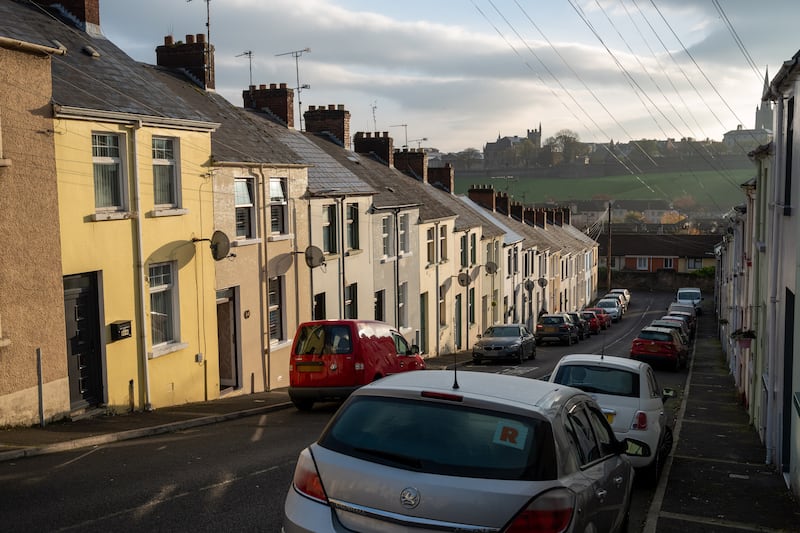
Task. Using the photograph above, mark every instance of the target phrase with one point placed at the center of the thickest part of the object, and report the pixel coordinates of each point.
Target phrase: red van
(332, 358)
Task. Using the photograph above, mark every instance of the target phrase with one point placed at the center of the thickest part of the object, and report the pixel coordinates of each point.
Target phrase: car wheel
(303, 405)
(521, 356)
(533, 352)
(476, 360)
(651, 472)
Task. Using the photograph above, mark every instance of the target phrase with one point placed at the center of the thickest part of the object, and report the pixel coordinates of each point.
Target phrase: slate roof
(110, 82)
(660, 245)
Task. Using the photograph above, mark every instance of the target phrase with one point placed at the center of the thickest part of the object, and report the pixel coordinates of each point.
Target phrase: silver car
(441, 451)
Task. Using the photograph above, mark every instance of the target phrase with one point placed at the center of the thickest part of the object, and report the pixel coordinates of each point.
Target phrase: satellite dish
(491, 267)
(528, 285)
(463, 279)
(314, 257)
(220, 245)
(542, 282)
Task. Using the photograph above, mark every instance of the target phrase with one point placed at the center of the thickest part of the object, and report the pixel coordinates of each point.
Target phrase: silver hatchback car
(439, 451)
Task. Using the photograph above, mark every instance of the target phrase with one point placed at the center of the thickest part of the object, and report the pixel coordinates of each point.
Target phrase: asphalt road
(231, 476)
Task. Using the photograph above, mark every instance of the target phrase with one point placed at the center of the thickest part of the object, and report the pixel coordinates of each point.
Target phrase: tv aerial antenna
(374, 106)
(208, 22)
(249, 54)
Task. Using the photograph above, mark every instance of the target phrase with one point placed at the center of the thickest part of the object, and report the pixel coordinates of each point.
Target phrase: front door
(226, 335)
(84, 364)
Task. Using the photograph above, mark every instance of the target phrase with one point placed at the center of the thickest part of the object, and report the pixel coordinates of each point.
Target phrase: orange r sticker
(510, 433)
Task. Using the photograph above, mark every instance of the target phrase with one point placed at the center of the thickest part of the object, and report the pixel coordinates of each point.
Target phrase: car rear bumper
(321, 394)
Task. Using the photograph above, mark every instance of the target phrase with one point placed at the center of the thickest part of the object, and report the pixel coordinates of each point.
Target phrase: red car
(332, 358)
(660, 346)
(603, 315)
(593, 320)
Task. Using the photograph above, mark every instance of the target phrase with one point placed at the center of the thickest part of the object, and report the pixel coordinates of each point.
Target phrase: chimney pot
(283, 85)
(190, 39)
(331, 107)
(274, 85)
(168, 40)
(201, 37)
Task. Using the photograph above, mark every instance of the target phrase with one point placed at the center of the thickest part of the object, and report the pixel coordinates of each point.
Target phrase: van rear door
(323, 356)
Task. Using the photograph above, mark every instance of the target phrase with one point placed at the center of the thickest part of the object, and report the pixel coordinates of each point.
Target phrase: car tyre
(521, 355)
(303, 405)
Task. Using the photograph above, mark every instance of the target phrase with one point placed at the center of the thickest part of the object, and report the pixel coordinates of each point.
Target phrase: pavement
(715, 480)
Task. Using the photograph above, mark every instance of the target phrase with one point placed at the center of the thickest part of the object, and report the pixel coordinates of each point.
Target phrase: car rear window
(599, 379)
(437, 438)
(552, 320)
(323, 338)
(655, 336)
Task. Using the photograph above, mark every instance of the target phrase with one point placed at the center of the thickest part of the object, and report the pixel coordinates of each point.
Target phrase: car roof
(496, 388)
(612, 300)
(602, 360)
(666, 323)
(656, 328)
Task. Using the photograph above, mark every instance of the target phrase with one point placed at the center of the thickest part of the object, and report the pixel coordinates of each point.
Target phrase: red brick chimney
(502, 203)
(380, 144)
(529, 216)
(541, 218)
(483, 196)
(516, 210)
(413, 162)
(566, 214)
(195, 57)
(334, 120)
(278, 99)
(85, 12)
(444, 177)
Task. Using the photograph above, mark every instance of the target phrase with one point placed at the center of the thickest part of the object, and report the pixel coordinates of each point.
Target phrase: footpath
(715, 480)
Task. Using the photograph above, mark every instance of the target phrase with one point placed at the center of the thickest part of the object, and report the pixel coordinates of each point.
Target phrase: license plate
(654, 348)
(309, 367)
(551, 329)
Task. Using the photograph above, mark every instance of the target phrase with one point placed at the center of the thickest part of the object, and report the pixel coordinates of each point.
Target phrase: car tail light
(539, 326)
(639, 421)
(306, 479)
(549, 513)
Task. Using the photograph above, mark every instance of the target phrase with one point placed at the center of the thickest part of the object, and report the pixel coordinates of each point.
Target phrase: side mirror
(414, 349)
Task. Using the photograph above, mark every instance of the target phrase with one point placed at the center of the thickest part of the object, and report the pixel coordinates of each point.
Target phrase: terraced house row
(161, 245)
(757, 283)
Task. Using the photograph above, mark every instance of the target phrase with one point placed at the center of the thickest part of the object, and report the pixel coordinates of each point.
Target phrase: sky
(456, 74)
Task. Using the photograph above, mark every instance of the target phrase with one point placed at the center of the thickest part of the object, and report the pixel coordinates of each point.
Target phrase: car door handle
(618, 481)
(601, 495)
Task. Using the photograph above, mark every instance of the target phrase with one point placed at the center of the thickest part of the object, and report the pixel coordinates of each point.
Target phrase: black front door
(83, 341)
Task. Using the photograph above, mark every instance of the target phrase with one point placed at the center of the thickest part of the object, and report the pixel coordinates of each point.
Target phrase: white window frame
(694, 263)
(278, 206)
(351, 301)
(669, 262)
(276, 307)
(442, 305)
(387, 241)
(442, 244)
(246, 205)
(464, 251)
(430, 245)
(161, 282)
(402, 308)
(172, 163)
(330, 233)
(120, 204)
(403, 229)
(642, 263)
(353, 236)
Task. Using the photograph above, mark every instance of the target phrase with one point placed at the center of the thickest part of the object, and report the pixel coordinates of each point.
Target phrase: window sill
(4, 162)
(245, 242)
(354, 251)
(165, 349)
(280, 237)
(386, 259)
(403, 255)
(111, 215)
(280, 344)
(4, 341)
(168, 212)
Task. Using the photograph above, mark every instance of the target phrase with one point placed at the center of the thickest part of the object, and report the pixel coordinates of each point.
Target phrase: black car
(505, 341)
(583, 325)
(556, 327)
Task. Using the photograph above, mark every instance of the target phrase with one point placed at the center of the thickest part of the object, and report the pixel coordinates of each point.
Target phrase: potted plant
(744, 337)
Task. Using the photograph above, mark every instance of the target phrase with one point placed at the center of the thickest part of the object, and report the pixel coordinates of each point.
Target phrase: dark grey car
(506, 341)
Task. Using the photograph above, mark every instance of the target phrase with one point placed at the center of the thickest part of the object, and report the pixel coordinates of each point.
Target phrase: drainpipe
(137, 221)
(263, 274)
(340, 201)
(396, 212)
(436, 262)
(772, 311)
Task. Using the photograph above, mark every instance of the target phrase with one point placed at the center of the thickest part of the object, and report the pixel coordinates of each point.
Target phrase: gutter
(24, 46)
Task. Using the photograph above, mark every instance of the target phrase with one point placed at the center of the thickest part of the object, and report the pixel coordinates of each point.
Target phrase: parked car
(507, 341)
(593, 320)
(620, 298)
(690, 318)
(556, 327)
(676, 323)
(611, 305)
(628, 393)
(692, 296)
(660, 346)
(582, 323)
(603, 315)
(473, 451)
(332, 358)
(624, 292)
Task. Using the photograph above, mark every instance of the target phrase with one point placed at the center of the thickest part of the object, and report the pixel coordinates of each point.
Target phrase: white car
(471, 451)
(624, 292)
(612, 307)
(628, 393)
(690, 296)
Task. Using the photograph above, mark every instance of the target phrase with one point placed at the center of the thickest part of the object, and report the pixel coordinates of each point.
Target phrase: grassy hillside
(707, 190)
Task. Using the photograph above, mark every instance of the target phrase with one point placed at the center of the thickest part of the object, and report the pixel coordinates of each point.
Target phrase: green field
(709, 190)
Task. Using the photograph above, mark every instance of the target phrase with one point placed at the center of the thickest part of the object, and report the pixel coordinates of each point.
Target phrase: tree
(469, 157)
(566, 142)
